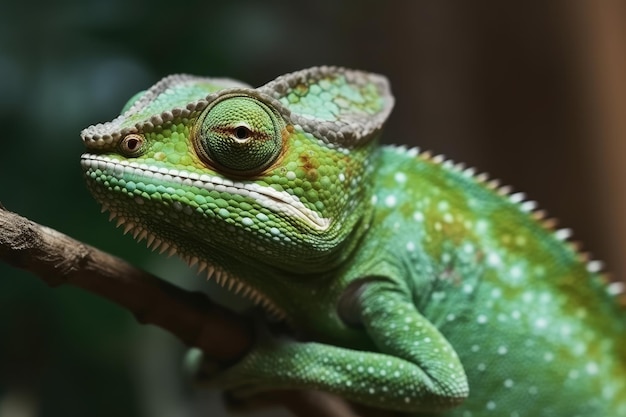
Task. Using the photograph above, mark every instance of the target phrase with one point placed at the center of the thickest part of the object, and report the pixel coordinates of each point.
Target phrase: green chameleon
(421, 286)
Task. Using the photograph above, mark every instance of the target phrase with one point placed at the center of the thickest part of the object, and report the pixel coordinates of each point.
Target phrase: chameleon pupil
(132, 144)
(242, 132)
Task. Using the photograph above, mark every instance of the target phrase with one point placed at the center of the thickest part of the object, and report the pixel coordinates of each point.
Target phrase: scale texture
(421, 286)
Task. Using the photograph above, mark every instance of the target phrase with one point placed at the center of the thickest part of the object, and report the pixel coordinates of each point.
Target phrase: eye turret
(240, 135)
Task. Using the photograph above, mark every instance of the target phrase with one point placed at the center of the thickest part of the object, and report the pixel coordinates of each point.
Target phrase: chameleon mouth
(268, 197)
(225, 279)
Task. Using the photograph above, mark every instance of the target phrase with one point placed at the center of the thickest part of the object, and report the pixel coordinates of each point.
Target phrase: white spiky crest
(616, 289)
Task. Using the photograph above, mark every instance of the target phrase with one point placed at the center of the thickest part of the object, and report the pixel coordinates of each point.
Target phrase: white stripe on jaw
(268, 197)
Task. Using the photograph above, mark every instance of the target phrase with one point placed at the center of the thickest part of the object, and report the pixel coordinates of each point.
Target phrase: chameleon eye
(239, 134)
(132, 144)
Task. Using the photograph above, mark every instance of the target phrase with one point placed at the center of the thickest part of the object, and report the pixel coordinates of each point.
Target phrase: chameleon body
(421, 286)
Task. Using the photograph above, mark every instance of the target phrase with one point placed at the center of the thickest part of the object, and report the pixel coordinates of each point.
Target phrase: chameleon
(421, 286)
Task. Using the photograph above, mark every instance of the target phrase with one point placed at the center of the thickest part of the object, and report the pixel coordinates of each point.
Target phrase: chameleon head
(225, 173)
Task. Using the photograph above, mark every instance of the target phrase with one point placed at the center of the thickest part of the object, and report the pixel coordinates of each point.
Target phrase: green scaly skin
(423, 287)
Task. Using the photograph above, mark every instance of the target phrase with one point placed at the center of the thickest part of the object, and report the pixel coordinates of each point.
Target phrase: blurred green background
(528, 92)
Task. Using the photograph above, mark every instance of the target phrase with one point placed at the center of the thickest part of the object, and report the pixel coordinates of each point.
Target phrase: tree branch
(58, 259)
(223, 335)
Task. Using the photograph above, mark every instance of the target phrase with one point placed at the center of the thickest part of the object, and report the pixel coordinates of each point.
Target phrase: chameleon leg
(418, 370)
(399, 330)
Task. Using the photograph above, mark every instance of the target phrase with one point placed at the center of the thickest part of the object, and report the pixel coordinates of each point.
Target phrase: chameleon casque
(422, 287)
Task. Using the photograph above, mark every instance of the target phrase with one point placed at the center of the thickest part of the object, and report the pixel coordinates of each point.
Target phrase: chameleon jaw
(272, 200)
(215, 272)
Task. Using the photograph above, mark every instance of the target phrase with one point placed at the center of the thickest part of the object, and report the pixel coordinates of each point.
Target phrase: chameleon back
(535, 326)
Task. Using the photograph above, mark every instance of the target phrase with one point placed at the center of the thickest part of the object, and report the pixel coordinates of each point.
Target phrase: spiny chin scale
(220, 276)
(616, 289)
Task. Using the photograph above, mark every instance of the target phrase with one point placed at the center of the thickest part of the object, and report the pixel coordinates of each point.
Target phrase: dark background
(531, 92)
